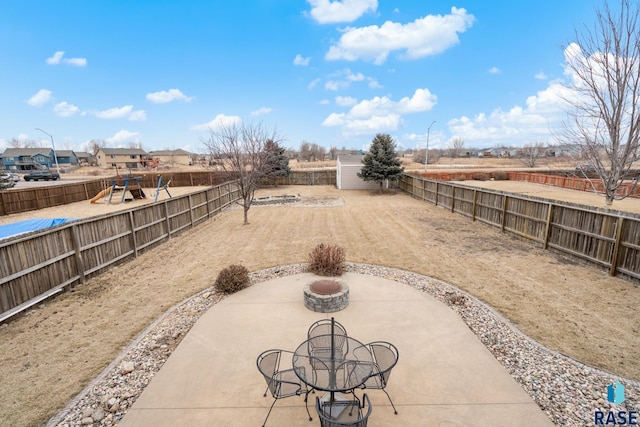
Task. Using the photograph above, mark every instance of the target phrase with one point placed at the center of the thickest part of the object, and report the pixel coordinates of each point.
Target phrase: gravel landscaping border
(567, 391)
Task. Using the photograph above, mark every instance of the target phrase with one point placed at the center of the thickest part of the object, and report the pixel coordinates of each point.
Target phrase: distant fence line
(607, 238)
(573, 183)
(34, 198)
(556, 178)
(40, 264)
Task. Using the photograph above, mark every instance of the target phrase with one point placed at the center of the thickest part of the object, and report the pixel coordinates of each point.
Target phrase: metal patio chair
(319, 336)
(281, 383)
(385, 358)
(342, 412)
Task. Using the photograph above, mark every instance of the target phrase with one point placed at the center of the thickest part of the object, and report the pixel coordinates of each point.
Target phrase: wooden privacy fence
(607, 238)
(33, 198)
(40, 264)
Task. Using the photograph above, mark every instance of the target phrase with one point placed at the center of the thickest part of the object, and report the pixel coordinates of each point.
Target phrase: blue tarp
(30, 225)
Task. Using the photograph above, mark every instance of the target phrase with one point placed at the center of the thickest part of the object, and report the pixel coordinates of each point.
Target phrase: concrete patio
(444, 376)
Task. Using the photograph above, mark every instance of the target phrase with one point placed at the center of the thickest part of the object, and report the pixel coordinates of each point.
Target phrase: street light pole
(426, 153)
(55, 157)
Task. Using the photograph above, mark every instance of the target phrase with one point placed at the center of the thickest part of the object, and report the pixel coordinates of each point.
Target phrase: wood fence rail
(610, 239)
(40, 264)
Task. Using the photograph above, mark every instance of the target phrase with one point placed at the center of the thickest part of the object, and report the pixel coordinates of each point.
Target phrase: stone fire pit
(326, 295)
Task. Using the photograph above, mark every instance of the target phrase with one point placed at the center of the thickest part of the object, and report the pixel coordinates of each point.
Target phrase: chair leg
(269, 413)
(306, 396)
(392, 405)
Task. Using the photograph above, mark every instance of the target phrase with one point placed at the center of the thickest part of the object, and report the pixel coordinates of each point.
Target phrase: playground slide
(101, 194)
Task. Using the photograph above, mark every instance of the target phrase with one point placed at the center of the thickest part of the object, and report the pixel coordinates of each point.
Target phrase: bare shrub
(327, 260)
(232, 279)
(480, 176)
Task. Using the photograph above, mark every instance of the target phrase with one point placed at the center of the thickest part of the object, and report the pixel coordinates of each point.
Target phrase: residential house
(66, 157)
(85, 158)
(173, 158)
(125, 158)
(22, 159)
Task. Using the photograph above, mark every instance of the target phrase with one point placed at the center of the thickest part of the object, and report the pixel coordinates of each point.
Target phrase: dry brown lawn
(51, 354)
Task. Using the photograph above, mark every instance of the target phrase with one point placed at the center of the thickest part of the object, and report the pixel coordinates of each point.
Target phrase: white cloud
(57, 58)
(40, 98)
(540, 76)
(261, 111)
(121, 113)
(123, 137)
(380, 114)
(165, 96)
(78, 62)
(138, 116)
(327, 11)
(345, 78)
(300, 61)
(535, 122)
(218, 122)
(345, 101)
(426, 36)
(494, 70)
(313, 83)
(325, 102)
(64, 109)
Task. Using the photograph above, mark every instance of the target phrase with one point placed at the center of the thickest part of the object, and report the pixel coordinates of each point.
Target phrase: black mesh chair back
(385, 357)
(319, 335)
(281, 380)
(342, 412)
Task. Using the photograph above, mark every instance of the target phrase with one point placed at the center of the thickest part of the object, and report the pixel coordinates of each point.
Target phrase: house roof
(178, 152)
(64, 153)
(17, 152)
(122, 151)
(350, 159)
(83, 154)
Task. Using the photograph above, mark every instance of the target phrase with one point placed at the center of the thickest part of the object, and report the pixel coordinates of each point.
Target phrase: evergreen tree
(275, 163)
(381, 162)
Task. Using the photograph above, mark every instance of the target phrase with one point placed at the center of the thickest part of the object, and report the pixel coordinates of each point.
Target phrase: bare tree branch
(604, 120)
(239, 149)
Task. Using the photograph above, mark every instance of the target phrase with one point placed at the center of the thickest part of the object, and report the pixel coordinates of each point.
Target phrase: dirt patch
(50, 354)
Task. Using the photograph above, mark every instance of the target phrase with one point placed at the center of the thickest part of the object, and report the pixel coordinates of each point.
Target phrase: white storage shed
(347, 168)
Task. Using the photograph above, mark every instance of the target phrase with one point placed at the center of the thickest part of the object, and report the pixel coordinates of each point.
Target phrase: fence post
(190, 210)
(547, 229)
(505, 204)
(77, 253)
(616, 247)
(134, 241)
(453, 198)
(437, 184)
(475, 202)
(166, 215)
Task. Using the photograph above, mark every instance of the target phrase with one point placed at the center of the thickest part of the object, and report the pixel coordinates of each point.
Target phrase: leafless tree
(96, 145)
(22, 143)
(239, 150)
(604, 95)
(455, 146)
(531, 152)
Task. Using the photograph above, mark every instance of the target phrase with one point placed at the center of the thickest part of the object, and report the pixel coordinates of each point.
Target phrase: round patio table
(333, 363)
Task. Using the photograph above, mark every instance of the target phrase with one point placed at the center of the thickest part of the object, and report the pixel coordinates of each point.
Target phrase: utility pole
(426, 154)
(55, 157)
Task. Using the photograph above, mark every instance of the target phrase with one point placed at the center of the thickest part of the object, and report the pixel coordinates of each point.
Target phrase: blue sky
(161, 73)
